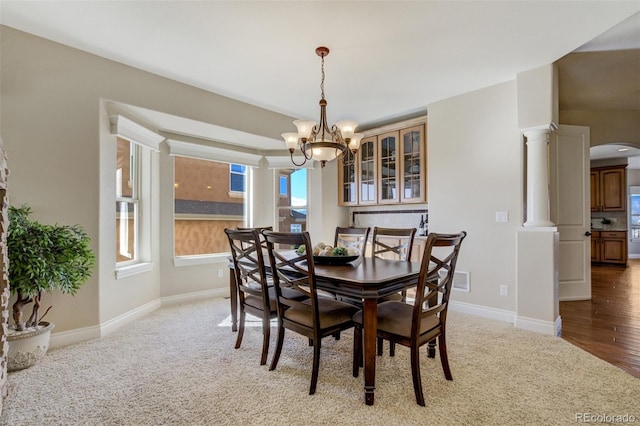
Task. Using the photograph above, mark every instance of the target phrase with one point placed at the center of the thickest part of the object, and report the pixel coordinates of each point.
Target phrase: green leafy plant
(44, 258)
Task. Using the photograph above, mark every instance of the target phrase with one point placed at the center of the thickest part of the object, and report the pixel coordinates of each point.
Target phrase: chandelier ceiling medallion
(318, 141)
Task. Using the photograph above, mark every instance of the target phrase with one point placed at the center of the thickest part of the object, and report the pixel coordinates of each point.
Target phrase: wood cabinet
(389, 168)
(609, 247)
(609, 189)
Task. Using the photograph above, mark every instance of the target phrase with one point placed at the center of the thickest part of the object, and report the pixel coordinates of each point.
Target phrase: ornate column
(538, 176)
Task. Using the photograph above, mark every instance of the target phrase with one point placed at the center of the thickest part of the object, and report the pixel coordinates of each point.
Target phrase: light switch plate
(502, 216)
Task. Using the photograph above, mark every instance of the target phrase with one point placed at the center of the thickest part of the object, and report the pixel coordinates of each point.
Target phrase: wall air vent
(460, 280)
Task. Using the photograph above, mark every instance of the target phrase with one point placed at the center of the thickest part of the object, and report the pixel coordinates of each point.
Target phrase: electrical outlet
(220, 273)
(504, 290)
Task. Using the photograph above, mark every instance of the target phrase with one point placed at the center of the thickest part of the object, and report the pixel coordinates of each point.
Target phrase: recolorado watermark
(604, 418)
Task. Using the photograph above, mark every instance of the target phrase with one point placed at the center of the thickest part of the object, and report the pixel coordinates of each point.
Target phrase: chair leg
(415, 372)
(316, 367)
(392, 348)
(240, 328)
(266, 333)
(380, 345)
(444, 359)
(357, 350)
(276, 355)
(336, 335)
(431, 348)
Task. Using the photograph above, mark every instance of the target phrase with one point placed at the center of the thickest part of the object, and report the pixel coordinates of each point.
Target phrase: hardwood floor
(608, 325)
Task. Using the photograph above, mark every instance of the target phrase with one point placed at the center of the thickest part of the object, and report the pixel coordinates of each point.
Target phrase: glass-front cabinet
(368, 176)
(413, 164)
(347, 176)
(390, 166)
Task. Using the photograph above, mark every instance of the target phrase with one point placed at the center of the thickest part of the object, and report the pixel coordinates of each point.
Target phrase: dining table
(365, 279)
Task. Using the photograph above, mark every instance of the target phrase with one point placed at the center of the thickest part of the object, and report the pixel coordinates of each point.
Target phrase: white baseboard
(193, 297)
(78, 335)
(634, 256)
(553, 328)
(114, 324)
(483, 311)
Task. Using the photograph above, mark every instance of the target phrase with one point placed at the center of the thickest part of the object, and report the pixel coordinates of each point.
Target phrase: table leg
(370, 327)
(233, 293)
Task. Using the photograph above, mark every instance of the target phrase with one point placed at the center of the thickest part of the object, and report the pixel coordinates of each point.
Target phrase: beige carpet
(177, 366)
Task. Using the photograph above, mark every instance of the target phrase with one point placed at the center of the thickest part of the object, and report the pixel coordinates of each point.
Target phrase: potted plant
(42, 258)
(606, 223)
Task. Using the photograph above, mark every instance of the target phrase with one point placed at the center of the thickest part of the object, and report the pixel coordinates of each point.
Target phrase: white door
(571, 209)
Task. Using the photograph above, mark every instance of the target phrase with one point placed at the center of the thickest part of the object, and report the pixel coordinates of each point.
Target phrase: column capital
(544, 129)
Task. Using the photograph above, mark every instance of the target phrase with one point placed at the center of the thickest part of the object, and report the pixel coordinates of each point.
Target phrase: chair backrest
(393, 243)
(352, 237)
(248, 262)
(292, 270)
(436, 277)
(259, 229)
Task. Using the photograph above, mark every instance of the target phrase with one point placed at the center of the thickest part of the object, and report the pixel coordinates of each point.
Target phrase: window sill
(204, 259)
(127, 271)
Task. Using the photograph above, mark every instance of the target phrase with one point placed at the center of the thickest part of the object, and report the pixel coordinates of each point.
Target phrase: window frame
(222, 155)
(134, 199)
(236, 192)
(282, 211)
(633, 191)
(204, 258)
(146, 143)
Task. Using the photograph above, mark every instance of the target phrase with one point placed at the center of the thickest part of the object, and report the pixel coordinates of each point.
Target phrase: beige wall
(475, 169)
(606, 126)
(52, 106)
(62, 161)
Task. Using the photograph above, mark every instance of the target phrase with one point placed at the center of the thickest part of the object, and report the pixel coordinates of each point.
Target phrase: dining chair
(259, 229)
(315, 317)
(414, 325)
(255, 295)
(352, 237)
(393, 243)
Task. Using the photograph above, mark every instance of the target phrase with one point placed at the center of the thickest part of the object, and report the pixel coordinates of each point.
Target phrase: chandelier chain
(322, 81)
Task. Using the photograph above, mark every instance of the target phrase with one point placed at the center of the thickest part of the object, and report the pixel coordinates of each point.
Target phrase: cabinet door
(595, 246)
(388, 167)
(413, 164)
(595, 190)
(613, 190)
(347, 181)
(614, 250)
(367, 174)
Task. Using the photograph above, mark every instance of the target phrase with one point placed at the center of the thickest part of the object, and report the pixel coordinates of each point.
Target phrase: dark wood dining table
(365, 279)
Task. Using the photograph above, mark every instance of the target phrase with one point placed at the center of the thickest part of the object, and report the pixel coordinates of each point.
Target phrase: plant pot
(26, 348)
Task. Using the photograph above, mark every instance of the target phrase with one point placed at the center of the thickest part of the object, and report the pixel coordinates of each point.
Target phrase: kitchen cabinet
(348, 191)
(389, 168)
(609, 189)
(367, 176)
(609, 247)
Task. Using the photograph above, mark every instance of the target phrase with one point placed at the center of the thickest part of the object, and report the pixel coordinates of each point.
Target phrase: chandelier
(318, 141)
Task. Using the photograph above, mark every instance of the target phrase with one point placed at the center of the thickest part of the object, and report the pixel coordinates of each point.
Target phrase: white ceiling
(388, 59)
